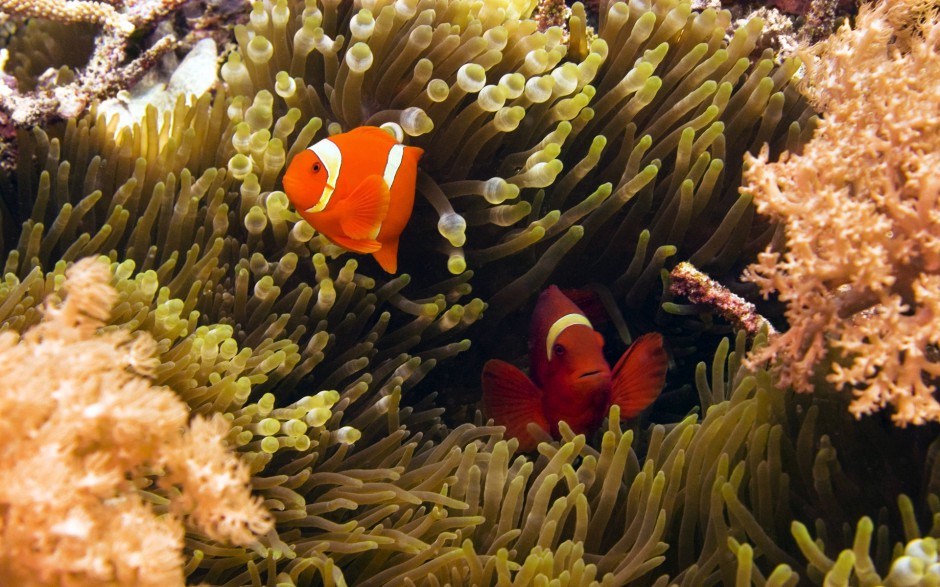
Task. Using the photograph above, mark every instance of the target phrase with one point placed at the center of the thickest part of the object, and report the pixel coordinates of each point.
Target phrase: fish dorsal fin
(590, 302)
(512, 400)
(412, 154)
(639, 375)
(373, 132)
(362, 212)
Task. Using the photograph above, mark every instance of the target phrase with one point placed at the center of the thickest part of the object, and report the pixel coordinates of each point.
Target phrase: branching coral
(106, 71)
(860, 269)
(101, 13)
(84, 427)
(66, 54)
(686, 280)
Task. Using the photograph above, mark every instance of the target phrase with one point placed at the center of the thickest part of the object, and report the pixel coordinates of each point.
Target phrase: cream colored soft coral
(82, 426)
(860, 271)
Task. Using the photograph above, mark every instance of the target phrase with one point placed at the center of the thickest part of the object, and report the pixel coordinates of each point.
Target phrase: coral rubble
(105, 72)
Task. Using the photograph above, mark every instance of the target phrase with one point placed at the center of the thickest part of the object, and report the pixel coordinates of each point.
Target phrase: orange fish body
(570, 378)
(358, 189)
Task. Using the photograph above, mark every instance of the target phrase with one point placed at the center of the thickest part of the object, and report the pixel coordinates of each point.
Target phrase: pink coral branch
(689, 282)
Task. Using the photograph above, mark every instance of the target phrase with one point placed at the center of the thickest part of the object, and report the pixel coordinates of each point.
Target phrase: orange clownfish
(570, 379)
(357, 188)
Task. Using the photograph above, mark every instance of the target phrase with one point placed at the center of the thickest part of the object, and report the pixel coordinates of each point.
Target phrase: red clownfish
(571, 380)
(357, 189)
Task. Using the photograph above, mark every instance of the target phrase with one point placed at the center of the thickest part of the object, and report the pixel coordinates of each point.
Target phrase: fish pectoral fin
(356, 245)
(362, 212)
(638, 377)
(512, 400)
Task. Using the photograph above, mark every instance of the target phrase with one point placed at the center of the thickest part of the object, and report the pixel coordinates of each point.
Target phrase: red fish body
(357, 188)
(570, 378)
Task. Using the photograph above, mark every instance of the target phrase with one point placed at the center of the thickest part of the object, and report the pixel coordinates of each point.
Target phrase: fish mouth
(589, 374)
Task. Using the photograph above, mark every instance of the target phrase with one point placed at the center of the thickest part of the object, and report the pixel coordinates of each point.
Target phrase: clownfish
(570, 379)
(356, 188)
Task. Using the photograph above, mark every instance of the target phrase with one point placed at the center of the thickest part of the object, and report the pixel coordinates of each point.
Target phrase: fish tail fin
(638, 377)
(362, 212)
(387, 256)
(512, 400)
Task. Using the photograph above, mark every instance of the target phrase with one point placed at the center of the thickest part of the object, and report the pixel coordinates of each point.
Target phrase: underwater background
(598, 149)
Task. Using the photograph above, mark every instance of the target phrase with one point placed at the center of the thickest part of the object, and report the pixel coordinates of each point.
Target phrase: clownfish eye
(559, 350)
(316, 168)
